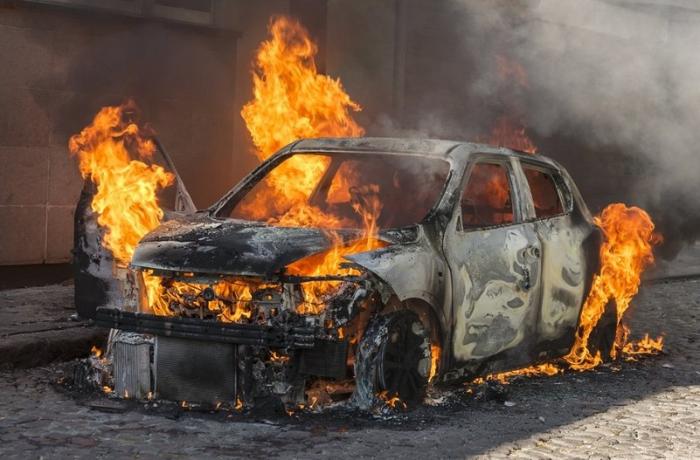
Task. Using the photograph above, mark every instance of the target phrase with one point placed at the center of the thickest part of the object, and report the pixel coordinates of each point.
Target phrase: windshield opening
(344, 191)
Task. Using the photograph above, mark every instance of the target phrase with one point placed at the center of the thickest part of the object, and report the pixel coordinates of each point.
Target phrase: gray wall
(58, 66)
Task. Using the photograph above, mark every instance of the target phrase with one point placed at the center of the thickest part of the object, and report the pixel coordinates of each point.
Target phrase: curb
(34, 349)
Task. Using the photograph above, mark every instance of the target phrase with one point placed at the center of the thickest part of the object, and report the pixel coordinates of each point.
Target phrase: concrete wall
(255, 16)
(361, 42)
(58, 66)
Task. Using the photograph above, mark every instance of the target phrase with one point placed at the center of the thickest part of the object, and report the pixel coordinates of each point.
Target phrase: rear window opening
(543, 189)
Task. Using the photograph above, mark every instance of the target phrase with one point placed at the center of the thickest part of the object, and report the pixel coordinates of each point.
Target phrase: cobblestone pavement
(649, 408)
(35, 327)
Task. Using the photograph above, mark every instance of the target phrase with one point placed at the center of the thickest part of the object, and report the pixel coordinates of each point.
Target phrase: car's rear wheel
(393, 360)
(602, 336)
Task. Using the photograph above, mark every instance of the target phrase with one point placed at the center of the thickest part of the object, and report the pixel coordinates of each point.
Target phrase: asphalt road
(649, 408)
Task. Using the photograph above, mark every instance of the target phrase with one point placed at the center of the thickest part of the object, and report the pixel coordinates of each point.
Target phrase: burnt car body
(474, 286)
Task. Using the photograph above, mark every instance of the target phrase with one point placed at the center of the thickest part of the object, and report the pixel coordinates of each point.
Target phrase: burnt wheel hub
(401, 371)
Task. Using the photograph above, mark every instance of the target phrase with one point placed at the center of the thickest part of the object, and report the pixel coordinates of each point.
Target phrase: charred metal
(470, 288)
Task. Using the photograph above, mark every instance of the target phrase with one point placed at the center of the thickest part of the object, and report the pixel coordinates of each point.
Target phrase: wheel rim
(400, 357)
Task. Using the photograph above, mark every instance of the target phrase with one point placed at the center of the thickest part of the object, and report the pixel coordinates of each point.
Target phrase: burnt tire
(602, 336)
(393, 359)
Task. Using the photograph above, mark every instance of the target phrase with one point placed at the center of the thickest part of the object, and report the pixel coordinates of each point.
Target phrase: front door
(494, 262)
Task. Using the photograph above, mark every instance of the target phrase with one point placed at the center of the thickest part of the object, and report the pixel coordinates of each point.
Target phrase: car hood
(202, 244)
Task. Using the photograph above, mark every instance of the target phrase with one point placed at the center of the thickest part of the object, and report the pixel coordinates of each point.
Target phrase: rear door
(563, 257)
(494, 263)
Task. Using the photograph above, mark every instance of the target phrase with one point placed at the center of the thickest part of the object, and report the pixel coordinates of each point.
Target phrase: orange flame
(278, 358)
(231, 303)
(434, 361)
(95, 351)
(547, 369)
(291, 100)
(625, 253)
(644, 346)
(391, 401)
(511, 70)
(125, 201)
(511, 134)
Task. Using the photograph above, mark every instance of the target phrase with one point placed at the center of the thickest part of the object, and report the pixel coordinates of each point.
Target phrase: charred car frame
(489, 277)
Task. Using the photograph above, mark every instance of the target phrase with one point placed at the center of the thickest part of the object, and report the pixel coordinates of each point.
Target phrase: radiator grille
(195, 371)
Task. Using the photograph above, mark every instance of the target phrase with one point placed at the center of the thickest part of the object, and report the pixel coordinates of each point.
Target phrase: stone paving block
(35, 328)
(626, 420)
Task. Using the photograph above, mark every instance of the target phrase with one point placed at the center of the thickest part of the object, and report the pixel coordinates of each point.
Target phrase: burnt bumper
(209, 331)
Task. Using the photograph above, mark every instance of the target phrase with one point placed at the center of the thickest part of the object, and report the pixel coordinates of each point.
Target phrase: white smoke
(626, 73)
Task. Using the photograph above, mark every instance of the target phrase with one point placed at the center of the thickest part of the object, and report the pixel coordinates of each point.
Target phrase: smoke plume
(621, 73)
(620, 80)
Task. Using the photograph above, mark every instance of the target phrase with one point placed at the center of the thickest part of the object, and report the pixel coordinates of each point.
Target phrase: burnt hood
(202, 244)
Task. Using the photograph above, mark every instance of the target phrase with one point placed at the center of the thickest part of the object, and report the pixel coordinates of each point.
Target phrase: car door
(563, 255)
(494, 263)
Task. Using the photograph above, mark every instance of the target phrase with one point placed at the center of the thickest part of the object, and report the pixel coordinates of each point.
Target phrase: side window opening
(487, 198)
(544, 192)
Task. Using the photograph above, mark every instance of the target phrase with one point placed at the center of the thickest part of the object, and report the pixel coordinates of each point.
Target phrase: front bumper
(209, 331)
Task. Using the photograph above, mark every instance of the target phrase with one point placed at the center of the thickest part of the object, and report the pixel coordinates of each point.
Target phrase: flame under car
(392, 264)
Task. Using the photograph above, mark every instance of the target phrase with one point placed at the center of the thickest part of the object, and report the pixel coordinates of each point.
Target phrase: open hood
(199, 243)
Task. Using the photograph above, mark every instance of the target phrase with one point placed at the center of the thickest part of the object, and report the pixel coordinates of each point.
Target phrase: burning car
(385, 265)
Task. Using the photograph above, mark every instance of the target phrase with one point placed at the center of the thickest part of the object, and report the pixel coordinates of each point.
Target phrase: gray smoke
(617, 76)
(624, 73)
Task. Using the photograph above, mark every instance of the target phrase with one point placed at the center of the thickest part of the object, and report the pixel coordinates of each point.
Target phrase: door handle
(524, 283)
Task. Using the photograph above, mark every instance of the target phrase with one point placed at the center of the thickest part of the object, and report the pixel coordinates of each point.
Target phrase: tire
(602, 336)
(393, 359)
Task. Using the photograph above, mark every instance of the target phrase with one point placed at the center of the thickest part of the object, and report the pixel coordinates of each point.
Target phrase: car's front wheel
(393, 360)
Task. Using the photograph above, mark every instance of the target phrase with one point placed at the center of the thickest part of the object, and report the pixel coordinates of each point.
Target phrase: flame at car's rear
(625, 253)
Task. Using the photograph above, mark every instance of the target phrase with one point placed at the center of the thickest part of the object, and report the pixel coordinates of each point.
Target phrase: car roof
(404, 145)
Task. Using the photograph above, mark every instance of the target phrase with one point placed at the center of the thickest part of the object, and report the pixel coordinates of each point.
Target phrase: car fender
(411, 271)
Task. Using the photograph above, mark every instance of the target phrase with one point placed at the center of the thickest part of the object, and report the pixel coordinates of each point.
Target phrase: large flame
(125, 202)
(625, 253)
(291, 101)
